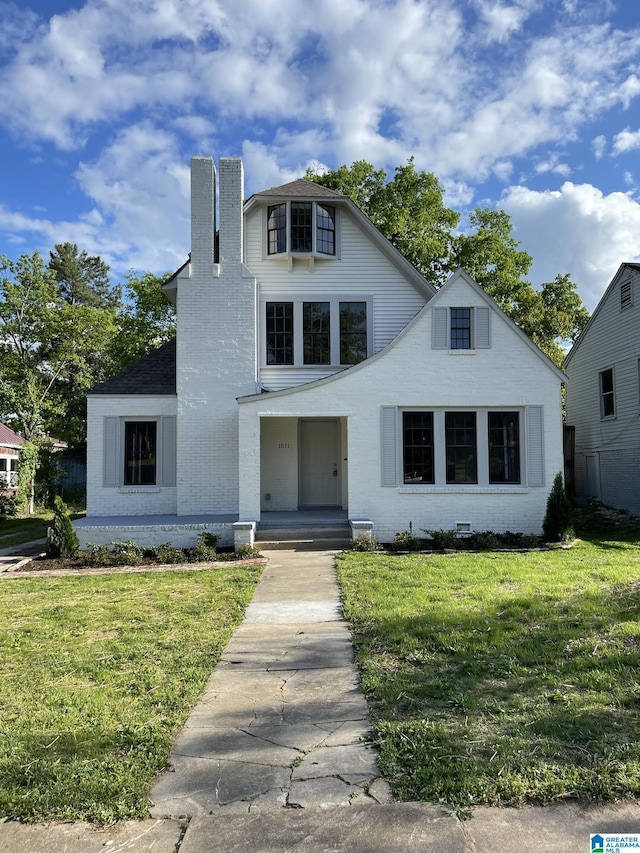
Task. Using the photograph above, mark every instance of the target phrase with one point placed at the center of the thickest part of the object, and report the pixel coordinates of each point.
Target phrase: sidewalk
(272, 757)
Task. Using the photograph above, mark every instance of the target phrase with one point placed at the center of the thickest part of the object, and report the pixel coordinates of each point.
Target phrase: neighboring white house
(603, 397)
(314, 367)
(10, 444)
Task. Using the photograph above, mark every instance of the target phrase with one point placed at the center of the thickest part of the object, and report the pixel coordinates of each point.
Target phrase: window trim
(605, 395)
(298, 303)
(480, 328)
(392, 445)
(128, 468)
(114, 452)
(318, 231)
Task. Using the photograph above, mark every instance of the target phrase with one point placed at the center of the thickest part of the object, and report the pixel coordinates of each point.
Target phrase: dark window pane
(140, 453)
(417, 447)
(279, 332)
(326, 229)
(606, 393)
(277, 229)
(353, 332)
(461, 455)
(301, 226)
(461, 328)
(316, 333)
(504, 447)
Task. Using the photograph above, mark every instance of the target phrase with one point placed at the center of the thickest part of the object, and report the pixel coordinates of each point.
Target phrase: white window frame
(298, 340)
(601, 393)
(289, 253)
(480, 328)
(114, 452)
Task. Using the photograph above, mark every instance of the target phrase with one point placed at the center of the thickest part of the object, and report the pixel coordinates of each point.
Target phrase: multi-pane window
(140, 441)
(461, 449)
(607, 401)
(277, 229)
(316, 333)
(353, 332)
(301, 226)
(326, 229)
(417, 447)
(279, 332)
(504, 447)
(460, 328)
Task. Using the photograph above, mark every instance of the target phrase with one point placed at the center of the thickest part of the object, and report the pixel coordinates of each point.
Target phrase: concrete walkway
(282, 721)
(273, 760)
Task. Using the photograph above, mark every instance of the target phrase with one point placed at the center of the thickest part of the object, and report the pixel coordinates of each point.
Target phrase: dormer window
(301, 227)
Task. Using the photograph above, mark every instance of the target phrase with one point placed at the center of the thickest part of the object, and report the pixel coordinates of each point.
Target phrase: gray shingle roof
(153, 374)
(301, 189)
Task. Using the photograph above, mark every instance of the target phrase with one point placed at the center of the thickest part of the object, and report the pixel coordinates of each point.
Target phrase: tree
(145, 321)
(52, 351)
(409, 210)
(83, 279)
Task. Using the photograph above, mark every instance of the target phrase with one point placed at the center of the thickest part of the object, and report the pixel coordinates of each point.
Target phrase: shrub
(205, 548)
(97, 555)
(445, 539)
(365, 543)
(8, 503)
(126, 553)
(247, 552)
(557, 520)
(166, 553)
(62, 540)
(405, 540)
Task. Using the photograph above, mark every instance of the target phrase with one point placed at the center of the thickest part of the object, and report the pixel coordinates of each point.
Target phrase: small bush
(166, 553)
(247, 552)
(365, 543)
(8, 503)
(405, 540)
(97, 555)
(127, 553)
(445, 539)
(204, 550)
(557, 521)
(62, 540)
(486, 541)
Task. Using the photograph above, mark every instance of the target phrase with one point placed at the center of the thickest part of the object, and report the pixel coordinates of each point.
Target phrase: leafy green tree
(145, 321)
(409, 210)
(28, 310)
(51, 352)
(83, 279)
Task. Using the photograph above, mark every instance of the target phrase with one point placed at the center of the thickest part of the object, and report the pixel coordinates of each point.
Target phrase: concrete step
(308, 537)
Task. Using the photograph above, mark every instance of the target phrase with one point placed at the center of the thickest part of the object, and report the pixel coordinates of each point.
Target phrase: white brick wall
(145, 500)
(412, 374)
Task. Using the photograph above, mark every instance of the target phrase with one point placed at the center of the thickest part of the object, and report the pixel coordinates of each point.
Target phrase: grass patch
(98, 674)
(15, 531)
(502, 678)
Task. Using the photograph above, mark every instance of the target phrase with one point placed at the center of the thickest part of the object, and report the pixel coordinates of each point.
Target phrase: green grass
(98, 673)
(15, 531)
(502, 678)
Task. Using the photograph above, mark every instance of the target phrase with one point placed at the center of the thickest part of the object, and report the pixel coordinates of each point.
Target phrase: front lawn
(502, 678)
(98, 673)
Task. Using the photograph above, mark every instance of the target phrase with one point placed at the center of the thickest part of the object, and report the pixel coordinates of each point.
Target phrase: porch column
(249, 464)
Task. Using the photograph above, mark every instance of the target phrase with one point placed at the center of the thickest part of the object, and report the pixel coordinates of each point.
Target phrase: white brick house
(314, 367)
(603, 397)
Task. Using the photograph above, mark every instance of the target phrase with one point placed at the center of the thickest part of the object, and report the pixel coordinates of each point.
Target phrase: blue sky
(532, 106)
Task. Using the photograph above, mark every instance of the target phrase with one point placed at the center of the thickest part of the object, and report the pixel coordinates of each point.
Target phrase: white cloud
(576, 230)
(501, 21)
(626, 140)
(599, 145)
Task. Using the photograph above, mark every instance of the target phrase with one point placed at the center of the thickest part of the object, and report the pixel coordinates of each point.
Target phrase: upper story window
(607, 397)
(316, 332)
(302, 227)
(460, 328)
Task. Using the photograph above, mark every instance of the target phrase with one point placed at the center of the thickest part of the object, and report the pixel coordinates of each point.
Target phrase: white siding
(361, 272)
(611, 341)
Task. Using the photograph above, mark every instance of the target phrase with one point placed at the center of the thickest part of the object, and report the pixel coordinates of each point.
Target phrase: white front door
(319, 463)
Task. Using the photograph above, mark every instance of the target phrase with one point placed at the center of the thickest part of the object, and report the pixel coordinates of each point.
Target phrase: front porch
(314, 528)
